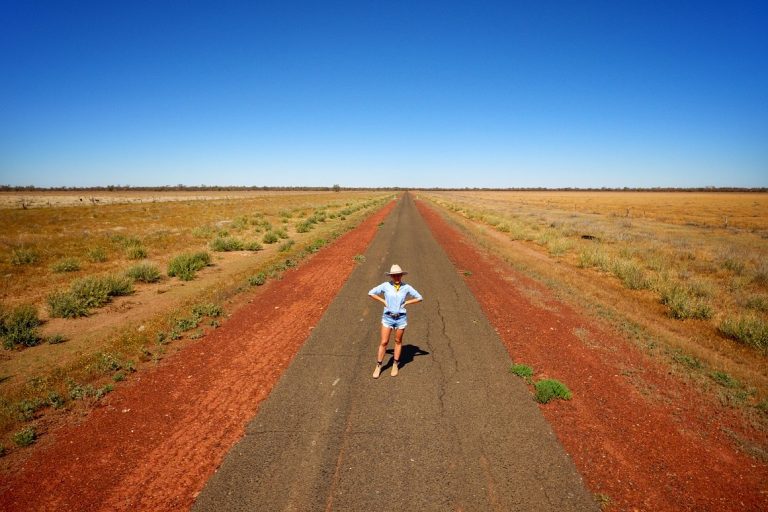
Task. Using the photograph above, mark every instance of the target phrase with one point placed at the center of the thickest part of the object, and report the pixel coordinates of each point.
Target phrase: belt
(394, 315)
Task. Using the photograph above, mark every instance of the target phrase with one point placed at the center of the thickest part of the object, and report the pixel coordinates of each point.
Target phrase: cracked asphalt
(454, 431)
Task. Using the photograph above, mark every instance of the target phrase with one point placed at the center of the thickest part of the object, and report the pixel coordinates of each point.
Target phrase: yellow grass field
(686, 274)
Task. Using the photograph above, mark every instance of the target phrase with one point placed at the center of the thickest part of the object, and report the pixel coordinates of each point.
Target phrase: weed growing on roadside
(209, 309)
(184, 266)
(87, 293)
(303, 227)
(226, 244)
(689, 361)
(316, 245)
(749, 330)
(724, 379)
(286, 246)
(144, 272)
(203, 232)
(64, 304)
(19, 327)
(521, 370)
(551, 389)
(25, 437)
(681, 305)
(359, 258)
(257, 280)
(135, 252)
(630, 274)
(253, 245)
(66, 265)
(281, 233)
(24, 256)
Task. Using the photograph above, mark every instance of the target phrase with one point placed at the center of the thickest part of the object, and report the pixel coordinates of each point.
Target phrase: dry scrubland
(685, 274)
(93, 289)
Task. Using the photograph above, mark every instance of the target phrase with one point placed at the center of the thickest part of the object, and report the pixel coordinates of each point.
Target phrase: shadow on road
(406, 356)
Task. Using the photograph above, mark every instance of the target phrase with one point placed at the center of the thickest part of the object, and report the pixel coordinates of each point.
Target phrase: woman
(395, 294)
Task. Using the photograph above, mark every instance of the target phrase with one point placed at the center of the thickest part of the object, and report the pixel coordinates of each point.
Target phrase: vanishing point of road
(453, 431)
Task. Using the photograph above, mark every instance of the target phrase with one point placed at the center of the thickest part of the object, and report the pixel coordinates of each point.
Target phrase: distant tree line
(338, 188)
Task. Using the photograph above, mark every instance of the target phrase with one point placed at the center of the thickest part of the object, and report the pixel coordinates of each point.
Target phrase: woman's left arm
(416, 296)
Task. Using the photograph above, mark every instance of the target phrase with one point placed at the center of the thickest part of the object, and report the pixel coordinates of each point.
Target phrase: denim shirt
(395, 298)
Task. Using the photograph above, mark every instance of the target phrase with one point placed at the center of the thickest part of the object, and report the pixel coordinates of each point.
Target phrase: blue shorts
(394, 323)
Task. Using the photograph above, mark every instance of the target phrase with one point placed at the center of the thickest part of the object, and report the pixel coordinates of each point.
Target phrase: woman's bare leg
(385, 332)
(398, 343)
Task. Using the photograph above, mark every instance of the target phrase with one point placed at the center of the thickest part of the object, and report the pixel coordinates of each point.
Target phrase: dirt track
(454, 431)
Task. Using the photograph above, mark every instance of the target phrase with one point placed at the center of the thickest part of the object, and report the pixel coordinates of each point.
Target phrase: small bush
(286, 246)
(749, 330)
(24, 256)
(359, 258)
(135, 252)
(203, 232)
(184, 266)
(551, 389)
(594, 257)
(681, 305)
(270, 237)
(65, 305)
(724, 379)
(521, 370)
(96, 255)
(257, 280)
(25, 436)
(19, 326)
(304, 227)
(66, 265)
(209, 309)
(185, 324)
(254, 245)
(630, 274)
(281, 233)
(144, 272)
(226, 244)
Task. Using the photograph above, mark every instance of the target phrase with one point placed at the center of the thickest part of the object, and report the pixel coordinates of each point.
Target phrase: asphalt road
(454, 431)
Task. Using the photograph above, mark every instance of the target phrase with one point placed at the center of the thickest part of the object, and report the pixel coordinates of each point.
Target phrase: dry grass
(120, 337)
(668, 260)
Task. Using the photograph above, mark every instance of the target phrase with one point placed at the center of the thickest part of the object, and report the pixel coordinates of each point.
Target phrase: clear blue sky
(505, 94)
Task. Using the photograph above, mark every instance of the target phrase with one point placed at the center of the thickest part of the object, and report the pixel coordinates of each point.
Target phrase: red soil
(638, 435)
(155, 441)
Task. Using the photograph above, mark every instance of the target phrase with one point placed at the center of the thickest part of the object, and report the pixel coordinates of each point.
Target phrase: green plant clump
(25, 436)
(551, 389)
(19, 326)
(254, 245)
(303, 227)
(724, 379)
(257, 280)
(144, 272)
(66, 265)
(286, 246)
(135, 252)
(749, 330)
(87, 293)
(96, 255)
(521, 370)
(681, 305)
(24, 256)
(226, 244)
(209, 309)
(184, 266)
(270, 237)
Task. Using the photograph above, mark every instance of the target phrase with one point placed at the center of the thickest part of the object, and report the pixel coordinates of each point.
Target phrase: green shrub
(594, 257)
(203, 232)
(254, 245)
(24, 256)
(681, 305)
(257, 280)
(521, 370)
(135, 252)
(316, 245)
(20, 326)
(66, 265)
(303, 227)
(286, 246)
(65, 305)
(96, 255)
(208, 309)
(270, 237)
(550, 389)
(184, 266)
(144, 272)
(281, 233)
(25, 436)
(226, 244)
(749, 330)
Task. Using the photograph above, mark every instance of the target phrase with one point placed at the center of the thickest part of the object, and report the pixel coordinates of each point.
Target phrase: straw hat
(395, 269)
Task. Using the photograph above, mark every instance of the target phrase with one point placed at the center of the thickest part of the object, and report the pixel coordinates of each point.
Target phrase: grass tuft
(257, 280)
(19, 327)
(96, 255)
(286, 246)
(682, 305)
(724, 379)
(226, 244)
(521, 370)
(270, 237)
(144, 272)
(25, 437)
(253, 245)
(24, 256)
(135, 252)
(184, 266)
(749, 330)
(551, 389)
(87, 293)
(66, 265)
